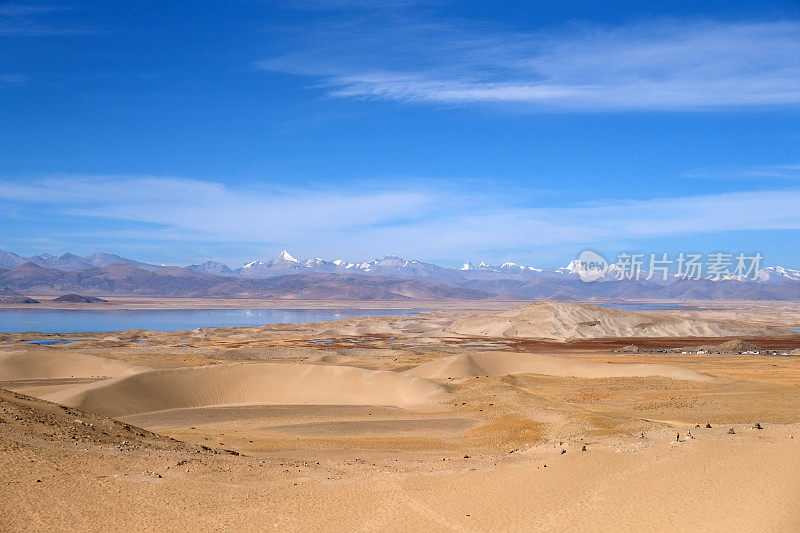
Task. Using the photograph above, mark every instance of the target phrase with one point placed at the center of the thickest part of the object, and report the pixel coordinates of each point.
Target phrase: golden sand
(427, 428)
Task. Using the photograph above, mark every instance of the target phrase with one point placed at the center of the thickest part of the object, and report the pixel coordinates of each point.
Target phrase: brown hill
(8, 296)
(731, 346)
(78, 299)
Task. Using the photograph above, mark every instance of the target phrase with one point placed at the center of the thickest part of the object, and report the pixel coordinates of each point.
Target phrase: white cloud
(662, 65)
(421, 223)
(758, 172)
(214, 210)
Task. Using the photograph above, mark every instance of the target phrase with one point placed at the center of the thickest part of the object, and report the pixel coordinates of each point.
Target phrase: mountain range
(68, 261)
(390, 278)
(390, 265)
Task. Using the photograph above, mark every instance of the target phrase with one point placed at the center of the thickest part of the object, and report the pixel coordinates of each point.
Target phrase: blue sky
(442, 131)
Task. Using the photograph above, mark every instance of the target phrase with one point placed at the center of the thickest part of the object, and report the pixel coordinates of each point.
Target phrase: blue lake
(74, 321)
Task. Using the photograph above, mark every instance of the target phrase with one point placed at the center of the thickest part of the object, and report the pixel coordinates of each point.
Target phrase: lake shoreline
(134, 302)
(65, 322)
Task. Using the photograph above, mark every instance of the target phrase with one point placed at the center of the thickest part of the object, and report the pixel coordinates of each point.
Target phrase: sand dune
(40, 364)
(541, 320)
(322, 446)
(252, 384)
(119, 474)
(561, 321)
(500, 364)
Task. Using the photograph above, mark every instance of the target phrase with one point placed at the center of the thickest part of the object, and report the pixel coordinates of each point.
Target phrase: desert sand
(502, 364)
(558, 321)
(252, 384)
(455, 420)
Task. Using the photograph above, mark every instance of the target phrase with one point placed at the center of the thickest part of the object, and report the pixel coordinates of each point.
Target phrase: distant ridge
(389, 278)
(69, 261)
(211, 266)
(390, 265)
(123, 279)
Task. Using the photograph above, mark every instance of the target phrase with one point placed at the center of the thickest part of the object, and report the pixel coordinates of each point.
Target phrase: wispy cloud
(215, 210)
(20, 10)
(663, 65)
(329, 5)
(758, 172)
(33, 20)
(421, 223)
(13, 79)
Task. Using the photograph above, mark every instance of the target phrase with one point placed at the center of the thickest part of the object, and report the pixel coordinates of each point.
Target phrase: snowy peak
(571, 268)
(509, 267)
(778, 273)
(514, 267)
(286, 256)
(772, 278)
(365, 266)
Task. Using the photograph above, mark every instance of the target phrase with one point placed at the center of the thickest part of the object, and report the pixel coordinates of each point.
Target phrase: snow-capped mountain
(399, 267)
(570, 269)
(395, 266)
(214, 267)
(507, 267)
(778, 274)
(514, 267)
(285, 263)
(382, 278)
(392, 266)
(467, 274)
(253, 264)
(286, 257)
(389, 265)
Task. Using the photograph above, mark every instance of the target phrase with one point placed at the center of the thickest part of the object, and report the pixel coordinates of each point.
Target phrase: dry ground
(499, 445)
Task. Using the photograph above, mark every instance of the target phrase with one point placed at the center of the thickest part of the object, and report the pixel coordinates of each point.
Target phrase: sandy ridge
(251, 384)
